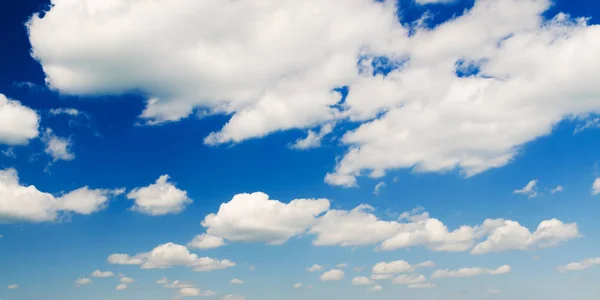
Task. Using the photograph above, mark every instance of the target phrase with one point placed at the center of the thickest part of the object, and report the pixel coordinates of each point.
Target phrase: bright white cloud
(121, 287)
(159, 198)
(206, 241)
(170, 255)
(529, 190)
(315, 268)
(13, 286)
(256, 218)
(470, 272)
(18, 123)
(20, 203)
(236, 281)
(126, 280)
(82, 281)
(192, 291)
(394, 267)
(507, 235)
(581, 265)
(361, 281)
(57, 147)
(332, 275)
(596, 187)
(102, 274)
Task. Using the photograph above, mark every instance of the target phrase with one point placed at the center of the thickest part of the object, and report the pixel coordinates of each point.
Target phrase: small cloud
(126, 280)
(251, 268)
(313, 139)
(557, 189)
(315, 268)
(121, 287)
(236, 281)
(297, 285)
(82, 281)
(376, 288)
(332, 275)
(57, 147)
(64, 111)
(13, 286)
(101, 274)
(10, 152)
(341, 266)
(378, 187)
(530, 190)
(596, 187)
(494, 291)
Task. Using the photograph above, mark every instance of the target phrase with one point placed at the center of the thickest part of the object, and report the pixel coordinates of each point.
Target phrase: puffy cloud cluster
(170, 255)
(466, 94)
(159, 198)
(20, 203)
(18, 123)
(470, 272)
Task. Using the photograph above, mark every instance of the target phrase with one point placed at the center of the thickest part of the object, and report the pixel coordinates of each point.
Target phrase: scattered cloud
(121, 287)
(494, 291)
(377, 288)
(313, 139)
(394, 267)
(581, 265)
(557, 189)
(470, 272)
(82, 281)
(233, 297)
(529, 190)
(411, 279)
(206, 241)
(170, 255)
(126, 280)
(315, 268)
(64, 111)
(297, 285)
(378, 188)
(13, 286)
(332, 275)
(362, 281)
(236, 281)
(596, 187)
(101, 274)
(18, 123)
(159, 198)
(57, 147)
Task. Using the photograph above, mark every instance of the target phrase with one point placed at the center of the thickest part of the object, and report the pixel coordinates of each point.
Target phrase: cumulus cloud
(377, 288)
(297, 285)
(529, 190)
(557, 189)
(121, 287)
(82, 281)
(394, 267)
(159, 198)
(176, 284)
(192, 291)
(425, 285)
(581, 265)
(64, 111)
(236, 281)
(101, 274)
(170, 255)
(13, 286)
(313, 138)
(18, 123)
(470, 272)
(361, 281)
(20, 203)
(206, 241)
(409, 279)
(332, 275)
(315, 268)
(256, 218)
(126, 280)
(507, 235)
(596, 187)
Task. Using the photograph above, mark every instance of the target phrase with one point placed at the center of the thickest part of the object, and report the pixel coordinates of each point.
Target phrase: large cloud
(18, 123)
(256, 218)
(26, 203)
(466, 94)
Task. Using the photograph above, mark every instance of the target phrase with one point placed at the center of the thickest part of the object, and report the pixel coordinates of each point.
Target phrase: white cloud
(175, 284)
(58, 148)
(170, 255)
(315, 268)
(236, 281)
(26, 203)
(596, 187)
(332, 275)
(470, 272)
(581, 265)
(529, 190)
(394, 267)
(426, 285)
(382, 276)
(377, 288)
(206, 241)
(126, 280)
(101, 274)
(409, 279)
(425, 264)
(256, 218)
(18, 123)
(191, 291)
(361, 281)
(424, 2)
(10, 152)
(82, 281)
(159, 198)
(121, 287)
(233, 297)
(313, 139)
(341, 266)
(507, 235)
(557, 189)
(378, 187)
(297, 285)
(64, 111)
(13, 286)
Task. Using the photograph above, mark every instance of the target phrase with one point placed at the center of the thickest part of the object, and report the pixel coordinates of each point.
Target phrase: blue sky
(204, 142)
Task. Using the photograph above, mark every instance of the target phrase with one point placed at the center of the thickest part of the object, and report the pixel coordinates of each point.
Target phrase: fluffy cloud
(530, 190)
(377, 288)
(58, 148)
(159, 198)
(126, 280)
(297, 285)
(236, 281)
(13, 286)
(332, 275)
(557, 189)
(510, 235)
(18, 123)
(256, 218)
(170, 255)
(192, 291)
(101, 274)
(361, 281)
(82, 281)
(315, 268)
(467, 94)
(470, 272)
(313, 139)
(27, 203)
(394, 267)
(121, 287)
(581, 265)
(206, 241)
(596, 187)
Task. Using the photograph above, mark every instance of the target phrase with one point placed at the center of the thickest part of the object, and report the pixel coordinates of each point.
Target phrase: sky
(317, 149)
